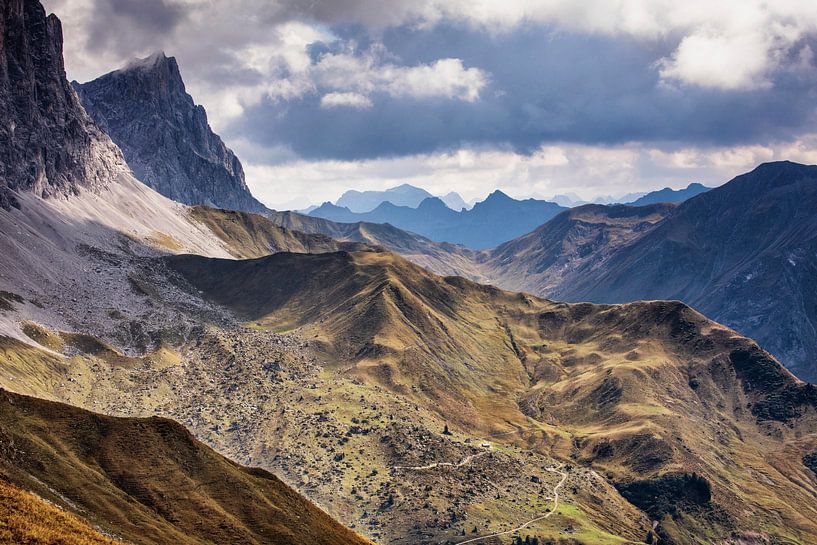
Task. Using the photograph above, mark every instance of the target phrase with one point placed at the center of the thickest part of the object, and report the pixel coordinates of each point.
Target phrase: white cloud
(444, 78)
(588, 171)
(723, 44)
(369, 73)
(347, 100)
(741, 157)
(683, 158)
(723, 62)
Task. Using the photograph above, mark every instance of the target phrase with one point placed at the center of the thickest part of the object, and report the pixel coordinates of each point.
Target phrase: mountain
(670, 195)
(454, 201)
(342, 372)
(165, 136)
(571, 200)
(651, 393)
(496, 219)
(568, 200)
(27, 518)
(48, 144)
(743, 254)
(626, 198)
(247, 235)
(365, 201)
(411, 407)
(499, 218)
(148, 481)
(570, 246)
(440, 257)
(432, 214)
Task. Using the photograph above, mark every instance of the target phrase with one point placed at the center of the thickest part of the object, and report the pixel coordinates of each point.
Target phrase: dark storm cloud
(132, 25)
(545, 86)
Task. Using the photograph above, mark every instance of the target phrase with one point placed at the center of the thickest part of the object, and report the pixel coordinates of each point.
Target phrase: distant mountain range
(744, 254)
(365, 201)
(495, 220)
(670, 195)
(413, 407)
(571, 200)
(408, 195)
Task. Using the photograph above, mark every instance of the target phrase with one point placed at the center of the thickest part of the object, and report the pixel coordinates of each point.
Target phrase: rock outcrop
(48, 144)
(165, 136)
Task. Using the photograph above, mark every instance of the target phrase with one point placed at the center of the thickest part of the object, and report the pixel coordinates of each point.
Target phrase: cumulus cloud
(444, 78)
(688, 88)
(734, 62)
(125, 25)
(348, 100)
(748, 37)
(587, 171)
(728, 44)
(539, 86)
(366, 74)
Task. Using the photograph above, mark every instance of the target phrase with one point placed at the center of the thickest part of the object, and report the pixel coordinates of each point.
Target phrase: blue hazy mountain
(495, 220)
(671, 195)
(366, 201)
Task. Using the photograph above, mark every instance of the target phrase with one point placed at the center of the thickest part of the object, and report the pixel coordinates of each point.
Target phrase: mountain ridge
(150, 481)
(48, 144)
(473, 352)
(669, 195)
(366, 201)
(722, 251)
(496, 219)
(165, 136)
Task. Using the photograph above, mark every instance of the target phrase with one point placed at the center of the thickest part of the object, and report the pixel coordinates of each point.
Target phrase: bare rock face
(165, 136)
(48, 144)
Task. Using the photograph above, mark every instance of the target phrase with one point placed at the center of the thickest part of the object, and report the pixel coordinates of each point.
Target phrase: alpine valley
(181, 364)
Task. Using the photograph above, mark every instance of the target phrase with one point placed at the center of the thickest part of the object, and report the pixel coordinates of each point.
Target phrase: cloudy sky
(535, 97)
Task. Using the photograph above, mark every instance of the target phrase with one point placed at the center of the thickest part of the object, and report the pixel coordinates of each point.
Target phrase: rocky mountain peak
(48, 144)
(165, 135)
(151, 62)
(156, 75)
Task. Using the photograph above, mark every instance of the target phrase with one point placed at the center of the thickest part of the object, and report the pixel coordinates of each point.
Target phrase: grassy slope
(638, 390)
(439, 257)
(298, 423)
(150, 481)
(252, 235)
(27, 519)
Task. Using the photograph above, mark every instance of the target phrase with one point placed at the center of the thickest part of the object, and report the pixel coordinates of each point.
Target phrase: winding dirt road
(528, 523)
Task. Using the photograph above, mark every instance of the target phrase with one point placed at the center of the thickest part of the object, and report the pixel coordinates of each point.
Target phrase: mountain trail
(528, 523)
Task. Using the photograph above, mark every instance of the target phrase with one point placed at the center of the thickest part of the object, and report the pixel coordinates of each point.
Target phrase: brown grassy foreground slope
(148, 481)
(26, 519)
(648, 392)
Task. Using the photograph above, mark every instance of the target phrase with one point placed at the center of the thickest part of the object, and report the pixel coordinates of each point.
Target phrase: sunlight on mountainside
(431, 351)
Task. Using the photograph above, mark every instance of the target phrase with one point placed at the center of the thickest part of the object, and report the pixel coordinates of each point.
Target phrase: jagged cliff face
(165, 136)
(48, 144)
